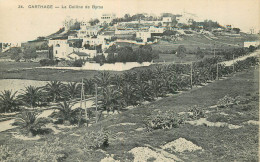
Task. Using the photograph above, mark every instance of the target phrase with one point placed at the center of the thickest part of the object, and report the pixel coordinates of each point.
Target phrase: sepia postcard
(129, 80)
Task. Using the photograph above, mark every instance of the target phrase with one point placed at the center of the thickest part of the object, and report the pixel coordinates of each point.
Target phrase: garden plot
(181, 145)
(203, 121)
(146, 154)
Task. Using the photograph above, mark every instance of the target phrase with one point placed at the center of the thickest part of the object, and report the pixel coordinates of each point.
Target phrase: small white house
(78, 55)
(143, 35)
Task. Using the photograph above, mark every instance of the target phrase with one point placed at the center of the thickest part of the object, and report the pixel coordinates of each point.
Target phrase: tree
(237, 30)
(181, 51)
(89, 85)
(8, 101)
(94, 22)
(31, 96)
(29, 53)
(28, 122)
(200, 53)
(72, 90)
(67, 113)
(54, 90)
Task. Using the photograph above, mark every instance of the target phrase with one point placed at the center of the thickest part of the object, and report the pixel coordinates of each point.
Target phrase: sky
(23, 24)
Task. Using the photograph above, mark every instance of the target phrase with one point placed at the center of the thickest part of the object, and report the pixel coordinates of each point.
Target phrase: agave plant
(54, 90)
(31, 96)
(29, 123)
(8, 101)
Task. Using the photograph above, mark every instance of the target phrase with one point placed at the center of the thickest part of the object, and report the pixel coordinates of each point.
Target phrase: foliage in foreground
(67, 113)
(49, 151)
(8, 101)
(197, 112)
(164, 120)
(29, 124)
(95, 139)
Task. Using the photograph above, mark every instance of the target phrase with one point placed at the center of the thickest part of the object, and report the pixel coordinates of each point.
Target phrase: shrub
(241, 100)
(8, 101)
(67, 113)
(48, 62)
(29, 123)
(197, 112)
(225, 101)
(165, 120)
(95, 139)
(78, 63)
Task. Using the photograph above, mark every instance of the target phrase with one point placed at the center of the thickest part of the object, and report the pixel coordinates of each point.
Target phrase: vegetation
(29, 124)
(67, 114)
(54, 90)
(95, 139)
(163, 120)
(8, 101)
(48, 62)
(31, 96)
(144, 53)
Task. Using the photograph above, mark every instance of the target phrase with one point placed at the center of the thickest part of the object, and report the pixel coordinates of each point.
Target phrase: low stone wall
(118, 66)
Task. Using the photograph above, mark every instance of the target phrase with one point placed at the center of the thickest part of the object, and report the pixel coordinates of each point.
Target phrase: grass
(219, 144)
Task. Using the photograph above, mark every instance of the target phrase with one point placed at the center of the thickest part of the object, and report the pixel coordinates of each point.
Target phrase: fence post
(217, 71)
(96, 103)
(191, 75)
(233, 63)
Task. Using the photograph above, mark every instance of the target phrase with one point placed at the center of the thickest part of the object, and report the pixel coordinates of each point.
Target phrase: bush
(78, 63)
(48, 62)
(225, 101)
(29, 123)
(95, 139)
(197, 112)
(165, 120)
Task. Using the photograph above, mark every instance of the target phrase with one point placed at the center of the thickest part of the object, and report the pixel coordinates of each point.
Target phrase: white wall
(118, 66)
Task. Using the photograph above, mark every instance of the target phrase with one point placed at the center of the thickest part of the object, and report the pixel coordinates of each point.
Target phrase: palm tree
(29, 123)
(89, 85)
(110, 99)
(128, 94)
(143, 89)
(72, 90)
(31, 96)
(8, 101)
(103, 79)
(54, 90)
(66, 112)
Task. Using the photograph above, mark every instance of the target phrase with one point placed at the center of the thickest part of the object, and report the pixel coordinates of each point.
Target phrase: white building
(154, 29)
(53, 42)
(7, 46)
(107, 18)
(186, 18)
(61, 48)
(99, 40)
(84, 24)
(143, 35)
(167, 20)
(88, 31)
(78, 55)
